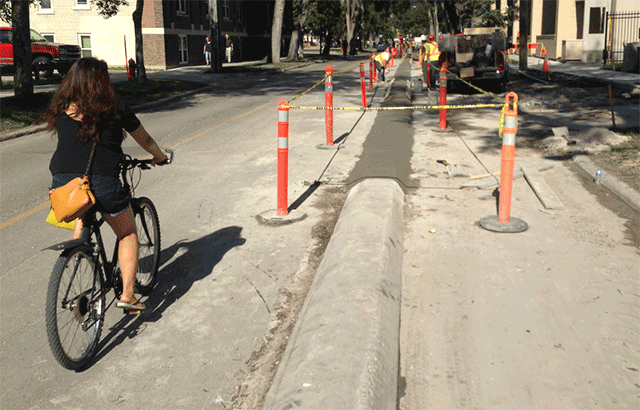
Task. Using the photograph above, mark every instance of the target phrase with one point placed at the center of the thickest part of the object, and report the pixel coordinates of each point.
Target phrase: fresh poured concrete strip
(343, 351)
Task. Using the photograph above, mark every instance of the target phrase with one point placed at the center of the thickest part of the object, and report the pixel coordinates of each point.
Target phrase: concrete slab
(343, 352)
(542, 190)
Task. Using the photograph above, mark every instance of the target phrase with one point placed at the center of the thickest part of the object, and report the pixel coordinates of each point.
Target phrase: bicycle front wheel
(74, 309)
(148, 227)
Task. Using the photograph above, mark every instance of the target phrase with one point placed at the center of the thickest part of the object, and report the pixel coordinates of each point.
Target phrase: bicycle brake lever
(169, 156)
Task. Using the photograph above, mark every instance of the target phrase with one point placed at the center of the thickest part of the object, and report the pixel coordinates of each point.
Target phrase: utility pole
(214, 35)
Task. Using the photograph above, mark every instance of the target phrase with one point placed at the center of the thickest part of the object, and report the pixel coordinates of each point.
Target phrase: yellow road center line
(24, 215)
(47, 204)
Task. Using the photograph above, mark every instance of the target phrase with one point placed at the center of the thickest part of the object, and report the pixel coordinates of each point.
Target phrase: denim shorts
(111, 197)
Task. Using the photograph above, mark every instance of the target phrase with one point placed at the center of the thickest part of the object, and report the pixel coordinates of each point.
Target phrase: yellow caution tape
(320, 82)
(416, 107)
(504, 110)
(305, 92)
(472, 86)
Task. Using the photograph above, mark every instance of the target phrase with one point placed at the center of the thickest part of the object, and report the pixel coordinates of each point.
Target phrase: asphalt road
(223, 273)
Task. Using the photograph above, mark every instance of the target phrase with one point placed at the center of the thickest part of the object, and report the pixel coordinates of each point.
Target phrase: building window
(6, 37)
(45, 7)
(226, 10)
(50, 37)
(549, 8)
(85, 44)
(182, 7)
(184, 49)
(596, 20)
(81, 5)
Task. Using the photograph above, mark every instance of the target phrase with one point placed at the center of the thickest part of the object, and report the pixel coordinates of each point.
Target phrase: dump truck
(478, 56)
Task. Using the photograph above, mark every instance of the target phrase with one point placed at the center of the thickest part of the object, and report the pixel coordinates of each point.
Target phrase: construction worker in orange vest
(431, 55)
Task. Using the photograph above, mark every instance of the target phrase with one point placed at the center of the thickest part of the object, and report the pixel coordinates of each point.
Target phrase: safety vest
(382, 57)
(431, 51)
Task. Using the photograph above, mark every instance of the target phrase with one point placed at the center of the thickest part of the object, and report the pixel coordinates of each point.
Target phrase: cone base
(271, 217)
(514, 225)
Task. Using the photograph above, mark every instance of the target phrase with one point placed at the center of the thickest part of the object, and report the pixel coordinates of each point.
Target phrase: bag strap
(93, 150)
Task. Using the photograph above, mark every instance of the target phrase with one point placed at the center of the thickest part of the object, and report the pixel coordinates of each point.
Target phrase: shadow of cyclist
(189, 262)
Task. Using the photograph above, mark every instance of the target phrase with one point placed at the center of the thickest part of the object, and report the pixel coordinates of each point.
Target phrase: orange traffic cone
(545, 65)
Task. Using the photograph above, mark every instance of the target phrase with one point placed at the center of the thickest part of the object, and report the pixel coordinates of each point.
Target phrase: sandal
(135, 307)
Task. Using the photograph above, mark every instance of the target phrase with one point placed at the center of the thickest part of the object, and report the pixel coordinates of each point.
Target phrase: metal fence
(621, 28)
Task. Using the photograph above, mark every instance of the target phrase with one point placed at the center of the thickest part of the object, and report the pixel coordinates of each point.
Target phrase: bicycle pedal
(132, 312)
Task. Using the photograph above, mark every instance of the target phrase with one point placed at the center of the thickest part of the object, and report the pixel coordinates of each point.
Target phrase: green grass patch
(54, 79)
(612, 67)
(628, 149)
(16, 114)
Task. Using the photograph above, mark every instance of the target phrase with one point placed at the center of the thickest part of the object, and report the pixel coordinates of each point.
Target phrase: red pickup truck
(46, 56)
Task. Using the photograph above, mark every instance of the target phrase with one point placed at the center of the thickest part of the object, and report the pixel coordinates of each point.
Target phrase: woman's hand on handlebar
(163, 159)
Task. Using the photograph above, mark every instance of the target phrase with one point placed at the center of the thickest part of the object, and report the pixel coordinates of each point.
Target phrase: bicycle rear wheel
(148, 227)
(74, 309)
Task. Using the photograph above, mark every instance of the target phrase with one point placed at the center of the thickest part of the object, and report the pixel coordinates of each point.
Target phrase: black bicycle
(83, 276)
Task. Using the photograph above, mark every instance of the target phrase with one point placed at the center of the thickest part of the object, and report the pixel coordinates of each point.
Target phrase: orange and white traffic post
(283, 158)
(328, 103)
(504, 222)
(363, 86)
(443, 96)
(371, 73)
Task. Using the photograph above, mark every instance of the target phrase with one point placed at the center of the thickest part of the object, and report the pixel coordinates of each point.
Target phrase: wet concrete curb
(343, 351)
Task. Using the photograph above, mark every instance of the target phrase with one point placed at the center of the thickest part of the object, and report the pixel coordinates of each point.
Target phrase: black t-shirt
(228, 42)
(72, 153)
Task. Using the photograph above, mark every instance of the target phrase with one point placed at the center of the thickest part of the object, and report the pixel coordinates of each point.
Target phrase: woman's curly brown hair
(88, 86)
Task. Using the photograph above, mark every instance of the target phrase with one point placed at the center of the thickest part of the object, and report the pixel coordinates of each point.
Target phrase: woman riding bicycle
(84, 111)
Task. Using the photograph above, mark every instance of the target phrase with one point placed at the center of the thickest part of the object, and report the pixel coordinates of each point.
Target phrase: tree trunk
(352, 8)
(276, 30)
(22, 78)
(296, 35)
(327, 44)
(522, 40)
(215, 37)
(141, 74)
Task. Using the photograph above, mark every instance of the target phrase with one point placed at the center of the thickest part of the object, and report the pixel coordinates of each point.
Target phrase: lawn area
(15, 114)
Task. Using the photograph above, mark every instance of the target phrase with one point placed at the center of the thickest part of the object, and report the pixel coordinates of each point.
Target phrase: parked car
(46, 56)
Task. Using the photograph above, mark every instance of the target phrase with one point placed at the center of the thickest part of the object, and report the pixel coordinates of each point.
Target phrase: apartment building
(173, 31)
(572, 29)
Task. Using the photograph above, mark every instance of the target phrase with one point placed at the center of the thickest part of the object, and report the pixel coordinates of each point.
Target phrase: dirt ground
(589, 100)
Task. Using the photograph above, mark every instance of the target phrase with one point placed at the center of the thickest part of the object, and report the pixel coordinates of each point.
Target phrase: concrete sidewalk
(545, 318)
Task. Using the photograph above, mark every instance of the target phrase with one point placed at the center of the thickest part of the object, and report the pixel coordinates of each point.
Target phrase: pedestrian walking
(228, 47)
(207, 51)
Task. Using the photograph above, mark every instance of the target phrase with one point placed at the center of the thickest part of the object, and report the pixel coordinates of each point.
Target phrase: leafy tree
(326, 20)
(301, 8)
(479, 13)
(353, 10)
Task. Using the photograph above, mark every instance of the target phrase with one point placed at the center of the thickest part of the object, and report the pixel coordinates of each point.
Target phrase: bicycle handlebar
(144, 163)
